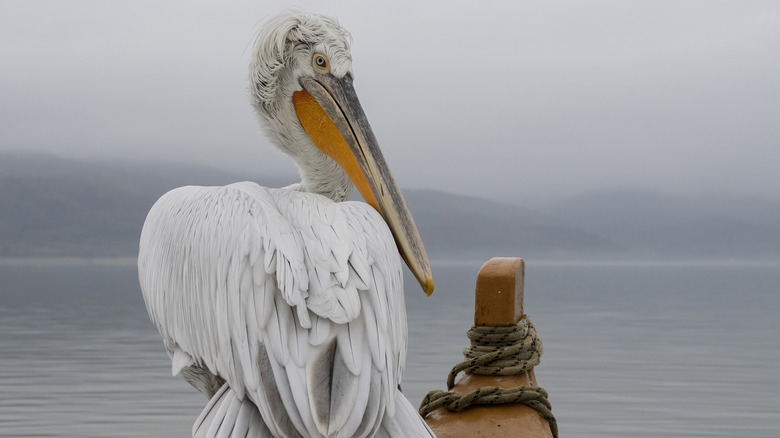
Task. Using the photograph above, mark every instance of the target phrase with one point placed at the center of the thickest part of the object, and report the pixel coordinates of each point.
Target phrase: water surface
(631, 349)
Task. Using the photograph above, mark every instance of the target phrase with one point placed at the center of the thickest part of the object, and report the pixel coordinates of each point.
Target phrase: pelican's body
(285, 307)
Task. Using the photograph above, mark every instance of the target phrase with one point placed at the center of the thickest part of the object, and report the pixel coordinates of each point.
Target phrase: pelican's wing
(226, 416)
(296, 301)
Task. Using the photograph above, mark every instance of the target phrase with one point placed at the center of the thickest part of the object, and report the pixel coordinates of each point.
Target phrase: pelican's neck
(321, 175)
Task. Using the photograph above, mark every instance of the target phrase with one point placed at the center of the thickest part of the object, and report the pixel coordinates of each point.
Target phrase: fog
(526, 100)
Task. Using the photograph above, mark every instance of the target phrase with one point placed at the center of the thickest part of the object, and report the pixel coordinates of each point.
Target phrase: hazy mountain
(667, 225)
(52, 206)
(462, 226)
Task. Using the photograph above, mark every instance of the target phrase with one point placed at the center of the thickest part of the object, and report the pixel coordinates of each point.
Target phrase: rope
(496, 351)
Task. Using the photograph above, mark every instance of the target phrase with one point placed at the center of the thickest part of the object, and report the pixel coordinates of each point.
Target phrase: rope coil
(496, 351)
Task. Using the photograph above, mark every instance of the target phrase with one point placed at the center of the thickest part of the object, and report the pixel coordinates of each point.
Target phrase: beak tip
(427, 285)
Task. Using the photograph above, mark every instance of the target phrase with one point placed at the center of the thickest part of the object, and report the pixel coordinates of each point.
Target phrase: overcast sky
(514, 99)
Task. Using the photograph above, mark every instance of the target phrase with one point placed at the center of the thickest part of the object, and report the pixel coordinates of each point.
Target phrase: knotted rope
(496, 351)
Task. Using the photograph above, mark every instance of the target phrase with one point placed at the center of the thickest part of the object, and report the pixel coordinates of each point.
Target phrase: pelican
(285, 306)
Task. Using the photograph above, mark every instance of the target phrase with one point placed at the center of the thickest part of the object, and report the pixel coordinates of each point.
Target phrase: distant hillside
(664, 225)
(462, 226)
(52, 206)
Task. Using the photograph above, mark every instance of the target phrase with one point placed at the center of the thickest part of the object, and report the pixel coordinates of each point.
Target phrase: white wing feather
(295, 300)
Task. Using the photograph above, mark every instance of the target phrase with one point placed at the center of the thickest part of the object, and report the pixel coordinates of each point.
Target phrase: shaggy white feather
(281, 55)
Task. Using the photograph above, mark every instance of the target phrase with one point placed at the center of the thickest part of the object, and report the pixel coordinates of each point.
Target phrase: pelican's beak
(330, 112)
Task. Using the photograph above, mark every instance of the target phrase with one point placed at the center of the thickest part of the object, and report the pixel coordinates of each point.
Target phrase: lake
(640, 349)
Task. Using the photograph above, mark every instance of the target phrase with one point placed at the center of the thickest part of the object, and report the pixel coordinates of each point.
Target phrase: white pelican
(285, 306)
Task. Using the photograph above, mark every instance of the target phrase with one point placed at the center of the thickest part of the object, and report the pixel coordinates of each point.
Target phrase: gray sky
(518, 99)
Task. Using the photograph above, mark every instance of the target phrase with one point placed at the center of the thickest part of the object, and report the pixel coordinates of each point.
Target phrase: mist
(522, 101)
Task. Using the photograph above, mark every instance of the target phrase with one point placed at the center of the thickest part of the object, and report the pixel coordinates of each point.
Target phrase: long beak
(330, 112)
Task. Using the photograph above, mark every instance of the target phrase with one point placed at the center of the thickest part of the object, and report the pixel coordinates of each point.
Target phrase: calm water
(631, 349)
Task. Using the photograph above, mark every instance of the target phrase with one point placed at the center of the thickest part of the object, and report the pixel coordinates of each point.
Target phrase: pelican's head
(300, 84)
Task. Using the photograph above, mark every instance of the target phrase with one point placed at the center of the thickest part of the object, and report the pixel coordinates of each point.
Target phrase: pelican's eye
(320, 63)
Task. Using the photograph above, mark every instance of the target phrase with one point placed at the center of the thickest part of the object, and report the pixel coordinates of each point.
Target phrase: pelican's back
(294, 300)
